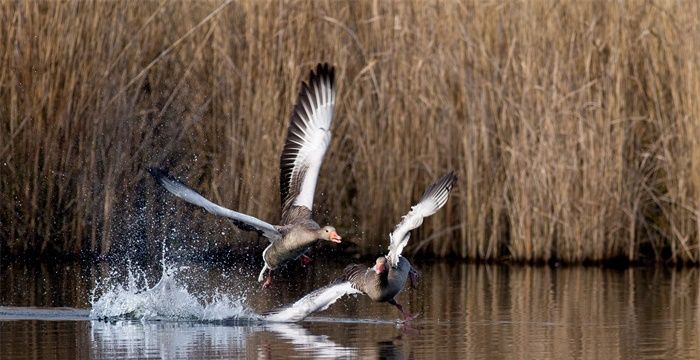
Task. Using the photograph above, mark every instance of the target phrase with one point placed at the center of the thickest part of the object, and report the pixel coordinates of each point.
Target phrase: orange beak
(335, 237)
(379, 268)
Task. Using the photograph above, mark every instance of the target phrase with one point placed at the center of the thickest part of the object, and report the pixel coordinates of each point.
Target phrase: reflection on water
(132, 340)
(466, 310)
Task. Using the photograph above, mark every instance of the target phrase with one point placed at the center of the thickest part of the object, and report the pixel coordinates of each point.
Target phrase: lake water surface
(466, 311)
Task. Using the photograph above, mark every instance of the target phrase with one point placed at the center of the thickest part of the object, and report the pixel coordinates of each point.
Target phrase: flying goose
(388, 276)
(308, 137)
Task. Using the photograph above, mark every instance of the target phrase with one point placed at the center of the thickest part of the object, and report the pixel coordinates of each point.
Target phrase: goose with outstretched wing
(308, 138)
(388, 276)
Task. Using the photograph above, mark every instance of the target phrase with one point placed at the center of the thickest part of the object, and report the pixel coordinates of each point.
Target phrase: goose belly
(385, 287)
(396, 280)
(285, 249)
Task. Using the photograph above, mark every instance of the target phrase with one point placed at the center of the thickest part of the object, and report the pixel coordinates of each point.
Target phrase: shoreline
(229, 257)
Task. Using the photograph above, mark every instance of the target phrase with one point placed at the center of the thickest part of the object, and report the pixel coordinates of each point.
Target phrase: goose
(388, 276)
(308, 138)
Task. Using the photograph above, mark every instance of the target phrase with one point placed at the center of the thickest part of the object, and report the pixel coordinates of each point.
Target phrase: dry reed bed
(573, 125)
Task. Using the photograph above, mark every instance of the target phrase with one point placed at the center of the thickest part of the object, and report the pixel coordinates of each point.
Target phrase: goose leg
(406, 315)
(268, 280)
(262, 273)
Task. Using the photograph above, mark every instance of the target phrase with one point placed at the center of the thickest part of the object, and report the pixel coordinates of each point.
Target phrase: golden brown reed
(573, 125)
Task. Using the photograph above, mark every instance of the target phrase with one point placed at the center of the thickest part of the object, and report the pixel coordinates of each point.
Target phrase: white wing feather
(308, 138)
(244, 221)
(318, 300)
(434, 198)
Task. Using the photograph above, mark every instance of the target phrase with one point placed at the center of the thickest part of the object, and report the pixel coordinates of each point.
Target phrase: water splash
(168, 299)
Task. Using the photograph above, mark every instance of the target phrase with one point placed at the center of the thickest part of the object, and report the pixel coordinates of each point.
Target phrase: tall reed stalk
(573, 125)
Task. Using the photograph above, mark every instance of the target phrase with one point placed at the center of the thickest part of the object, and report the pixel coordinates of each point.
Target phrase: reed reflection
(484, 311)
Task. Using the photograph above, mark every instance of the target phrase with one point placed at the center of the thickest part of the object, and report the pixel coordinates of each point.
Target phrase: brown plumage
(378, 282)
(382, 283)
(298, 234)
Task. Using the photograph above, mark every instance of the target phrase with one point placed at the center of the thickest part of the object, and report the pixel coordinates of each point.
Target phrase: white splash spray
(169, 299)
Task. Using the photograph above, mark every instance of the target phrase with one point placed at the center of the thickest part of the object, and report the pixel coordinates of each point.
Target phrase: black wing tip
(158, 173)
(323, 71)
(445, 183)
(162, 176)
(449, 180)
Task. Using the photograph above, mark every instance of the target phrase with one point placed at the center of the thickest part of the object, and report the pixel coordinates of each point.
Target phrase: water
(472, 311)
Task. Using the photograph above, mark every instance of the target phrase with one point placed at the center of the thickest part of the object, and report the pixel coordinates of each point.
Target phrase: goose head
(380, 265)
(328, 233)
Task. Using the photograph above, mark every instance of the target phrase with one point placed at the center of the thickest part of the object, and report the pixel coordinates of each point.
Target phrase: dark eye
(326, 230)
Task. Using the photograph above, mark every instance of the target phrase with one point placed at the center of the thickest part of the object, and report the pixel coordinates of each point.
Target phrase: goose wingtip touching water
(383, 281)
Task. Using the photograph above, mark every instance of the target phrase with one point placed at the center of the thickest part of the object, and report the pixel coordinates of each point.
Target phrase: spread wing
(243, 221)
(434, 197)
(308, 137)
(317, 300)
